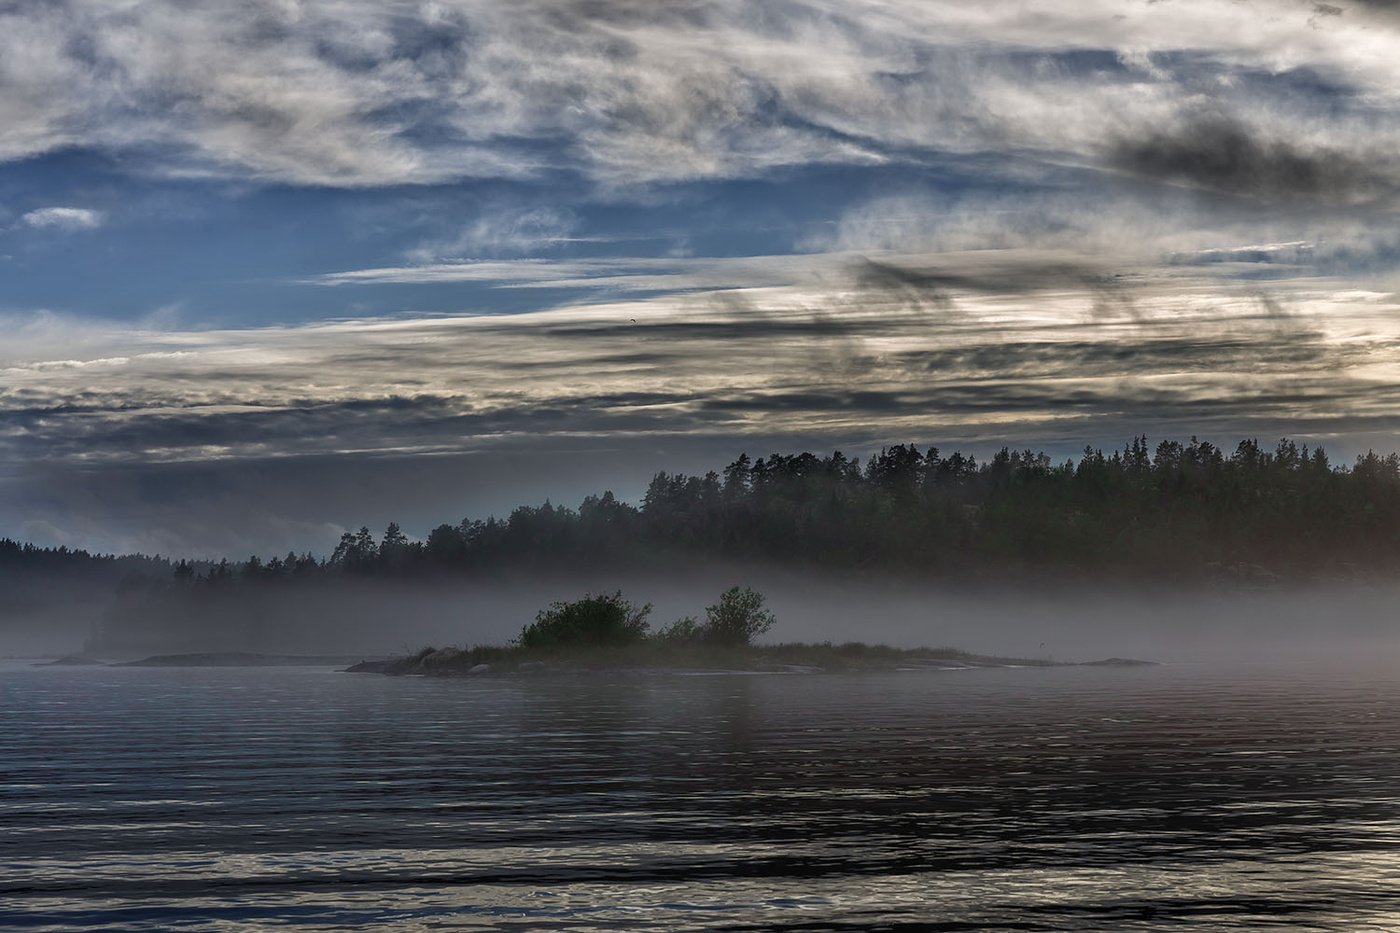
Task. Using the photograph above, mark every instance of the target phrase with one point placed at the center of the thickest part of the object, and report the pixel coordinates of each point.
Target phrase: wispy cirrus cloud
(614, 273)
(867, 350)
(503, 231)
(625, 93)
(66, 219)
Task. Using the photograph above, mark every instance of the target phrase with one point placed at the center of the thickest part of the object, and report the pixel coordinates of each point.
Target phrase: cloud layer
(1268, 99)
(840, 348)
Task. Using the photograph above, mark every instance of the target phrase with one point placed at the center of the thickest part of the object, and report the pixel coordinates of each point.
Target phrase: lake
(1067, 798)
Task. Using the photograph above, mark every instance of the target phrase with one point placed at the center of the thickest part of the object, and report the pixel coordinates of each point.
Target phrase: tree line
(26, 569)
(1176, 508)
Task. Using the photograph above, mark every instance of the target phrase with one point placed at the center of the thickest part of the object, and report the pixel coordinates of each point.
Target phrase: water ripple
(1062, 799)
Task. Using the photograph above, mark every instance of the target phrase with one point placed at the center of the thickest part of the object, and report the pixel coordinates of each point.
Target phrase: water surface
(1020, 799)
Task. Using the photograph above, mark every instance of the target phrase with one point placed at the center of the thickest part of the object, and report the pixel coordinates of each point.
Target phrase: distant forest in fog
(1181, 509)
(1179, 512)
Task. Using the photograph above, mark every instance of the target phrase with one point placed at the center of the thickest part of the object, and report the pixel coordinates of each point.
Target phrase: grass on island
(826, 656)
(608, 631)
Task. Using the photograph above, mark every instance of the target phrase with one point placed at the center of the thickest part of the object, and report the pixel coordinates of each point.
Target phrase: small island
(608, 632)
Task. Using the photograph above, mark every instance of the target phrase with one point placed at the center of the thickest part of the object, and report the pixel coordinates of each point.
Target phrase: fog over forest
(1182, 552)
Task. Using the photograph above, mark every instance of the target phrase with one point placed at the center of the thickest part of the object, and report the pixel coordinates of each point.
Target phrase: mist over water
(1204, 796)
(1249, 780)
(1063, 622)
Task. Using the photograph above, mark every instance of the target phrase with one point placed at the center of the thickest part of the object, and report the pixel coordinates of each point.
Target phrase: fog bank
(1065, 622)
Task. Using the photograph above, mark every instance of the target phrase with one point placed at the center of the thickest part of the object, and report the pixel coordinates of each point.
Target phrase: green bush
(738, 618)
(605, 619)
(686, 631)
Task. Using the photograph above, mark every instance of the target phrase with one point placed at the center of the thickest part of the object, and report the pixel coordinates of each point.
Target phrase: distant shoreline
(454, 662)
(792, 658)
(206, 659)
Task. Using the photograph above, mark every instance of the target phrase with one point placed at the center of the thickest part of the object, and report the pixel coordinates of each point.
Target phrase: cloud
(631, 94)
(1223, 155)
(503, 231)
(876, 347)
(1103, 234)
(615, 274)
(67, 219)
(506, 271)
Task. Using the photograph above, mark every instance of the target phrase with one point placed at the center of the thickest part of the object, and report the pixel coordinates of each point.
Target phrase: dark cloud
(1220, 154)
(1106, 359)
(919, 288)
(936, 289)
(933, 287)
(755, 328)
(812, 402)
(780, 371)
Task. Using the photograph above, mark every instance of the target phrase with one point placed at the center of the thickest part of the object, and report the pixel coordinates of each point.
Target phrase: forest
(1177, 510)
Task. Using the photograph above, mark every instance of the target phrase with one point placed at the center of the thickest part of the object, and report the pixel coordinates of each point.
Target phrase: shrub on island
(606, 619)
(733, 622)
(738, 618)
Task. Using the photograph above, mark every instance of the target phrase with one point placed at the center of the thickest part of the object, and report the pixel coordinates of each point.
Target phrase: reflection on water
(1083, 799)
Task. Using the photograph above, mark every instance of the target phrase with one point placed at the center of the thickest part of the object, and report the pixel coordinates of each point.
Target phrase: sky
(275, 269)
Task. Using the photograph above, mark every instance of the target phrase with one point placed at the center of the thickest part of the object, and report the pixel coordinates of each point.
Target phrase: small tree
(738, 618)
(605, 619)
(685, 631)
